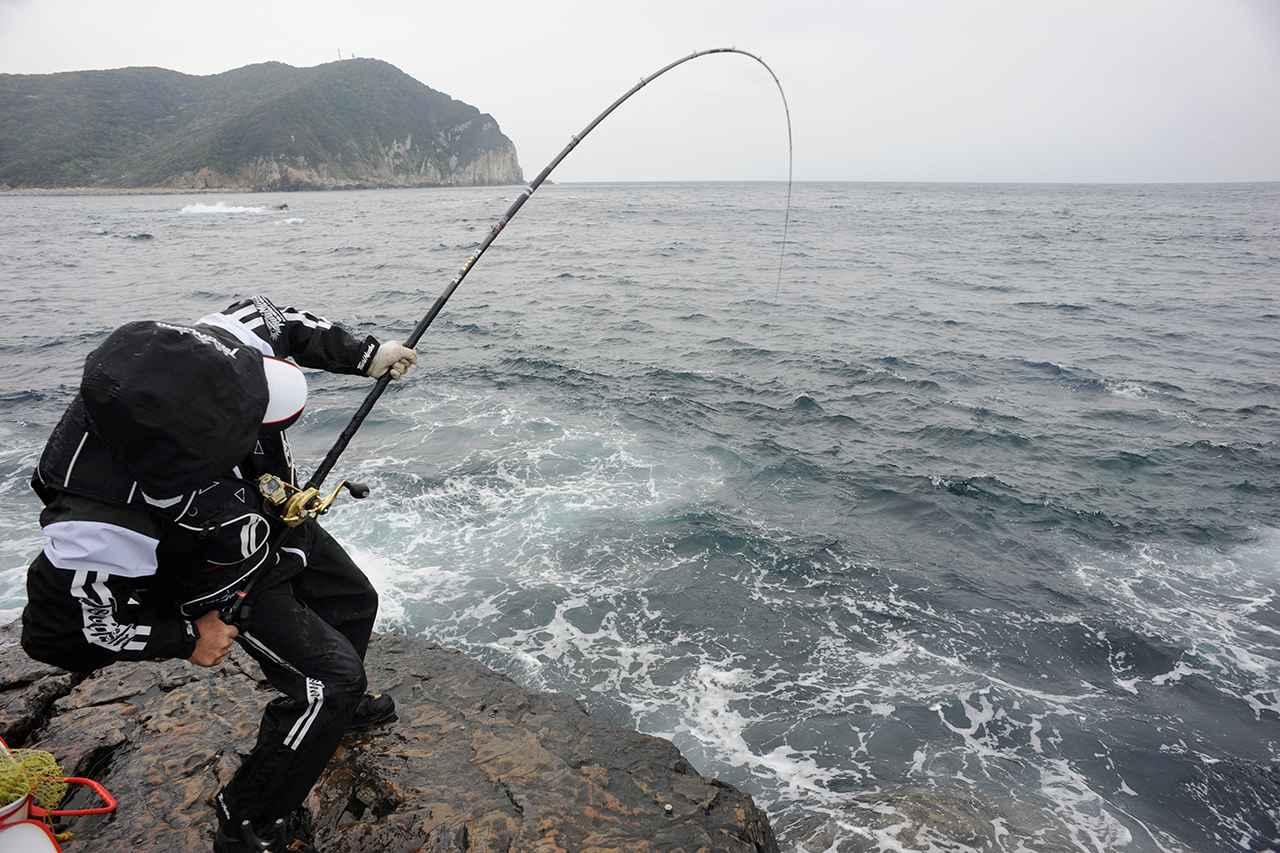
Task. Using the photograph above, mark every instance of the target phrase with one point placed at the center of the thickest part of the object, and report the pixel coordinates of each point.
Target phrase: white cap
(287, 390)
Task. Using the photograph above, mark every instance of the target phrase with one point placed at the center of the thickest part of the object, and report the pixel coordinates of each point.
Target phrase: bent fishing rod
(297, 505)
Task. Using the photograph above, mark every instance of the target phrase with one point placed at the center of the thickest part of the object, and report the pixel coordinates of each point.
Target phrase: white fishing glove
(392, 356)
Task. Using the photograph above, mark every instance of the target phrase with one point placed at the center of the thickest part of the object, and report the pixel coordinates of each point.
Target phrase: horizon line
(1084, 182)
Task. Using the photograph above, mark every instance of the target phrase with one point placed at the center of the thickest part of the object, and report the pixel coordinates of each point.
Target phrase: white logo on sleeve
(229, 352)
(270, 315)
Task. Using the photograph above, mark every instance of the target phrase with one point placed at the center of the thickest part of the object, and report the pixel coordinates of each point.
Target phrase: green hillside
(359, 122)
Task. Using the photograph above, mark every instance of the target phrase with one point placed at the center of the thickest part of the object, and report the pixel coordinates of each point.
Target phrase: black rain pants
(309, 633)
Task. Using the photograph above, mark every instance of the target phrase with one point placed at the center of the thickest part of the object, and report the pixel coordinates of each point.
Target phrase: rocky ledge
(475, 762)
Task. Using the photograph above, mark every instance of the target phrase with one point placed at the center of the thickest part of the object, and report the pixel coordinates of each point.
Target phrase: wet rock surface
(474, 763)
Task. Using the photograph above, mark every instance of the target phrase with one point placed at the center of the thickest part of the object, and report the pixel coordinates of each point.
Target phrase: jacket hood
(177, 406)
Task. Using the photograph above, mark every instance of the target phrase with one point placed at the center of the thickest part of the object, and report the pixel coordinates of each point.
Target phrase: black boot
(244, 839)
(283, 835)
(372, 711)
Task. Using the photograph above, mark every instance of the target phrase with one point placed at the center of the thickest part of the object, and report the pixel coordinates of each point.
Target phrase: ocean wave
(740, 349)
(1143, 388)
(970, 436)
(977, 485)
(467, 328)
(1068, 307)
(667, 376)
(1073, 513)
(805, 403)
(888, 377)
(791, 474)
(984, 413)
(895, 361)
(1082, 379)
(23, 396)
(1251, 488)
(1050, 367)
(1124, 460)
(528, 367)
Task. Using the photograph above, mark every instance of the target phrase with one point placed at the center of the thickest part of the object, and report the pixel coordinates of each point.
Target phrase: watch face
(272, 489)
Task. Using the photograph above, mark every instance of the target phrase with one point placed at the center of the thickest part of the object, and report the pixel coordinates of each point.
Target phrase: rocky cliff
(355, 123)
(475, 762)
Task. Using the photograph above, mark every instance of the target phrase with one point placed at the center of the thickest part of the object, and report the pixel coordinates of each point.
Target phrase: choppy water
(968, 540)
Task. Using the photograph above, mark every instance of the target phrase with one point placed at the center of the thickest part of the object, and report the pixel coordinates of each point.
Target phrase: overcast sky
(966, 90)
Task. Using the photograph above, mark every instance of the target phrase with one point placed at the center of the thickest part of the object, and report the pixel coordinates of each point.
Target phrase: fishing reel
(296, 505)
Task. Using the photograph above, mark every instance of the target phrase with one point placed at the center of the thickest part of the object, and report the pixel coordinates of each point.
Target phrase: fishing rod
(296, 505)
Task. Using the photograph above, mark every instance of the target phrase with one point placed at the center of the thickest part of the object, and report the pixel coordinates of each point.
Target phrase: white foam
(501, 553)
(385, 574)
(712, 695)
(1180, 671)
(1129, 390)
(222, 208)
(1203, 601)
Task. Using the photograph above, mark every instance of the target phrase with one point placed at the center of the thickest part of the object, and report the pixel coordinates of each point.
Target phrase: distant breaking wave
(220, 207)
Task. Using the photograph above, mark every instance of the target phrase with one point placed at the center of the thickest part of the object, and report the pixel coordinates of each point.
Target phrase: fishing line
(791, 161)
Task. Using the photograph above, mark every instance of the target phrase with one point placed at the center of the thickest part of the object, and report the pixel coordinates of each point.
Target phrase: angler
(153, 521)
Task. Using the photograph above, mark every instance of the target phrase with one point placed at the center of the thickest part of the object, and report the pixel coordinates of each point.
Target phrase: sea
(960, 535)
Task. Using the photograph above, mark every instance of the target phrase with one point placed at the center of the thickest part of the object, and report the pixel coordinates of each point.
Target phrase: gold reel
(297, 505)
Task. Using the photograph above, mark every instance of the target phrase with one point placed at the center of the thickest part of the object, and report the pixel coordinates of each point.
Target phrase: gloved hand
(393, 356)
